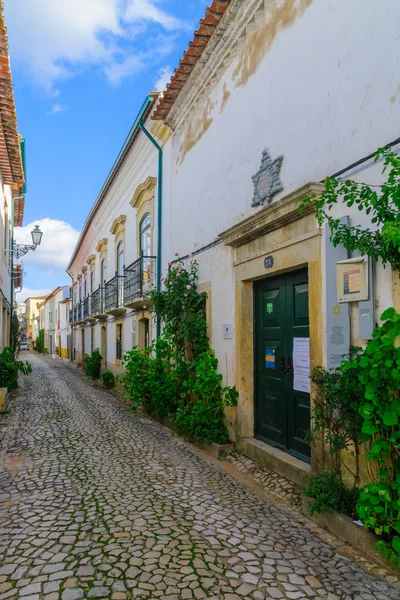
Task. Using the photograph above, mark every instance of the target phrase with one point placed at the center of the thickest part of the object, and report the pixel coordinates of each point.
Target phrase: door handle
(289, 366)
(283, 366)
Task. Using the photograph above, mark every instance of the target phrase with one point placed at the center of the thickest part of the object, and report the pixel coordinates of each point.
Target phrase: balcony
(98, 303)
(87, 309)
(140, 278)
(114, 296)
(79, 312)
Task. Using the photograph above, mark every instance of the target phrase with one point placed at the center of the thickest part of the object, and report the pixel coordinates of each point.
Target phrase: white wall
(315, 81)
(324, 95)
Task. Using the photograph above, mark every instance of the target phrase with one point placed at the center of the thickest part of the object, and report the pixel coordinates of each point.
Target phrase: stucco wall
(314, 82)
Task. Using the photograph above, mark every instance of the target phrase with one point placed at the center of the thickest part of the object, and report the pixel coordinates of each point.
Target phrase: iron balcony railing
(114, 293)
(98, 301)
(140, 277)
(86, 307)
(79, 311)
(74, 314)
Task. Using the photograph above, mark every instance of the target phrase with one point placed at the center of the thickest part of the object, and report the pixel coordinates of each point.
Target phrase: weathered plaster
(280, 16)
(195, 130)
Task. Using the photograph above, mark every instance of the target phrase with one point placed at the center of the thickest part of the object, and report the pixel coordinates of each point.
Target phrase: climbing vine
(177, 377)
(380, 203)
(359, 403)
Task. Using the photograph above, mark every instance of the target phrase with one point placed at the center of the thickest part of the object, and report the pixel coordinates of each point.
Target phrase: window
(103, 275)
(145, 241)
(119, 342)
(91, 281)
(144, 333)
(120, 272)
(84, 286)
(120, 259)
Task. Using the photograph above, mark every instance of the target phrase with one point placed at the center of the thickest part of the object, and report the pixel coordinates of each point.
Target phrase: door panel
(271, 408)
(282, 415)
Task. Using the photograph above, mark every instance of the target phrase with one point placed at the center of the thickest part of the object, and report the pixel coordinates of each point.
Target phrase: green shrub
(39, 344)
(9, 369)
(108, 379)
(92, 364)
(330, 494)
(177, 376)
(361, 399)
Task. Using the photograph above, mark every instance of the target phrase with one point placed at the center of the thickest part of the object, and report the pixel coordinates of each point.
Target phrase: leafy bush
(335, 414)
(330, 494)
(9, 369)
(382, 205)
(177, 376)
(108, 379)
(92, 364)
(202, 417)
(39, 344)
(367, 403)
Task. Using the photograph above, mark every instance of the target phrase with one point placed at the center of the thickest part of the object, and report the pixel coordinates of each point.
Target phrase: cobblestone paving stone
(96, 502)
(270, 481)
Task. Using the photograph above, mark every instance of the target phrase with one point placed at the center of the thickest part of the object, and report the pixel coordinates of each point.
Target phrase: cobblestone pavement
(271, 482)
(96, 502)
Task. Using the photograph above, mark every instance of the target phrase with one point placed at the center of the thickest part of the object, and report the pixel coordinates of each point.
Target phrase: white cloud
(58, 241)
(163, 77)
(139, 10)
(55, 39)
(58, 108)
(31, 293)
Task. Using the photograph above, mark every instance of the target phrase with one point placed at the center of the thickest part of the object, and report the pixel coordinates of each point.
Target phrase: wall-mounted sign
(227, 331)
(269, 262)
(352, 279)
(301, 364)
(269, 358)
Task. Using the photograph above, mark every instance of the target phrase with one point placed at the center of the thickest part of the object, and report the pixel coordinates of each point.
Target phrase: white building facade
(115, 260)
(317, 87)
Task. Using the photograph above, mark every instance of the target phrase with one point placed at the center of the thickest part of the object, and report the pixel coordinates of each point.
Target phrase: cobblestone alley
(96, 502)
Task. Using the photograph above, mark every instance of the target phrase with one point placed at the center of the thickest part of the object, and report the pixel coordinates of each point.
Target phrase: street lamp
(21, 249)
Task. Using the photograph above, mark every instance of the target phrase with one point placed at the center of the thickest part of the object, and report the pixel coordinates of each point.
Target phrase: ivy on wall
(177, 377)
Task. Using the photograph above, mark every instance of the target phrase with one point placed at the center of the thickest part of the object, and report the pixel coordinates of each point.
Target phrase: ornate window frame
(143, 202)
(118, 231)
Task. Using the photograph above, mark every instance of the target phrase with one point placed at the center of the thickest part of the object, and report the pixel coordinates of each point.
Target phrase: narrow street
(96, 502)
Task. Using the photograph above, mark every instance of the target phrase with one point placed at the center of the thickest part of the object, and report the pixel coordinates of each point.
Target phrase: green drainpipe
(159, 209)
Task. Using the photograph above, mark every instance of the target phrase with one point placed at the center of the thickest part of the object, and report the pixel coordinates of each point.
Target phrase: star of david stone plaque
(267, 181)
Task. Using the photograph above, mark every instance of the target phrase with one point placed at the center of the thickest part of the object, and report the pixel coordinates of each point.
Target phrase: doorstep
(276, 460)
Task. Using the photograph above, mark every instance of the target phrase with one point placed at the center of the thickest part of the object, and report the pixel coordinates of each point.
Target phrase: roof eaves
(10, 151)
(202, 37)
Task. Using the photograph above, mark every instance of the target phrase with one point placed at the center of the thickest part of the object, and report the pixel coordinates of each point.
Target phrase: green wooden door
(282, 414)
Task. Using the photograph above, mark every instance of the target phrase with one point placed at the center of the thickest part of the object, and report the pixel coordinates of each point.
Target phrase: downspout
(159, 210)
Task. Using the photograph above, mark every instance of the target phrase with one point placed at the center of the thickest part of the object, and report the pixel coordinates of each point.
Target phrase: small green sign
(270, 308)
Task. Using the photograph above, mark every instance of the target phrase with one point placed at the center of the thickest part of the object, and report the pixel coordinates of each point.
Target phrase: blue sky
(81, 70)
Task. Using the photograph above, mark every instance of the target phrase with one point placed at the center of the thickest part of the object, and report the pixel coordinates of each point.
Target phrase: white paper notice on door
(301, 364)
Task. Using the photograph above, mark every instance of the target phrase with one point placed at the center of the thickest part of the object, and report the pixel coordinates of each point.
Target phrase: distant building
(20, 309)
(53, 319)
(32, 318)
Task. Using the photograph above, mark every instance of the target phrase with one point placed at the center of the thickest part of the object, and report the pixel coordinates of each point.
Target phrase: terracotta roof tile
(202, 36)
(10, 153)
